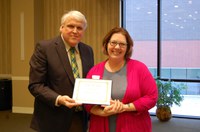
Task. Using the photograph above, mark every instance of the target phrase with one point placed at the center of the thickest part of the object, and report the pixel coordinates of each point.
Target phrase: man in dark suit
(51, 79)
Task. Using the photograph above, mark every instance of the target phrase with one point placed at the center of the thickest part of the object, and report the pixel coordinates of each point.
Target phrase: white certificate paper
(92, 91)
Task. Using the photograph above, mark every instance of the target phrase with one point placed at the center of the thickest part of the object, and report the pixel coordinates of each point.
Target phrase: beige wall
(5, 39)
(102, 15)
(22, 43)
(24, 22)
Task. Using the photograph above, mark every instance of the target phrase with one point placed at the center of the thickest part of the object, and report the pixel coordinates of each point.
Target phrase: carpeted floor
(176, 125)
(12, 122)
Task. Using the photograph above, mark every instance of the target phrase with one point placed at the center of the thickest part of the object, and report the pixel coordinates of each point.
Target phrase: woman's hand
(115, 107)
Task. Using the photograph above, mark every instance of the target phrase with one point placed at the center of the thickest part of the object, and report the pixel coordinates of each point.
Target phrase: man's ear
(61, 27)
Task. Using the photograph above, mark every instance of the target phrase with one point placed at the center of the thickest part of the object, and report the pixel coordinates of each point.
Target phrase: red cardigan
(141, 91)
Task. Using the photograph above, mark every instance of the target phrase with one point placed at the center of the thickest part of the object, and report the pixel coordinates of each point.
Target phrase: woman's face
(117, 46)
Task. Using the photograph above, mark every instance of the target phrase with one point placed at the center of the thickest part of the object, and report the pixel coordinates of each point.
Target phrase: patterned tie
(74, 63)
(75, 71)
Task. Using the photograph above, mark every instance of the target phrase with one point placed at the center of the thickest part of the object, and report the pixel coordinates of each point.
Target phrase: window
(166, 35)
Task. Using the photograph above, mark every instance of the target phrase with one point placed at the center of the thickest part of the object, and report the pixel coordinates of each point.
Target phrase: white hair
(75, 15)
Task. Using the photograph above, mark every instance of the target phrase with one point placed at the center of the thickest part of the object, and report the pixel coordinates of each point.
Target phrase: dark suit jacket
(51, 75)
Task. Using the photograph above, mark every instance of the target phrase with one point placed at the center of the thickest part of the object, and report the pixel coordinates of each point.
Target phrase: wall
(22, 44)
(5, 39)
(27, 21)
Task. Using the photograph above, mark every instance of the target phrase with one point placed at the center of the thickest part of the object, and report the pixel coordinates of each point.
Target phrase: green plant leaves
(169, 93)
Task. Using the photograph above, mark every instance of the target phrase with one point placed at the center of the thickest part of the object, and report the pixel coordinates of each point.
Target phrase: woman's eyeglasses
(115, 43)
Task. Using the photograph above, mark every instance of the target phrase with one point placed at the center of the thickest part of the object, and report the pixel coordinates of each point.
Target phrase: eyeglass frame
(115, 43)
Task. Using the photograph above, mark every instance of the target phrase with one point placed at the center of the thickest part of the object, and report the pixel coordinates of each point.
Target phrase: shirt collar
(67, 45)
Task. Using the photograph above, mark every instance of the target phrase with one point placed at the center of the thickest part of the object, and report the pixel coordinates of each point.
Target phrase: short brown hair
(123, 32)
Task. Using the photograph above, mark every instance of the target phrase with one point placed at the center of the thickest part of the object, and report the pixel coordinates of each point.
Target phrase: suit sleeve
(38, 84)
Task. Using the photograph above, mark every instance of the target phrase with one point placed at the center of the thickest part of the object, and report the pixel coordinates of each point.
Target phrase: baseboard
(23, 110)
(20, 78)
(5, 76)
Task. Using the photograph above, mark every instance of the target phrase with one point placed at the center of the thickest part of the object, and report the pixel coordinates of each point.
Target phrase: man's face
(72, 31)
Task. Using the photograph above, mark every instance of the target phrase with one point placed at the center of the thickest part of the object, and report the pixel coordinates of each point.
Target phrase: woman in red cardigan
(133, 93)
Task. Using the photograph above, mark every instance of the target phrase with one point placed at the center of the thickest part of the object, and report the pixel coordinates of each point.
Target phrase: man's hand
(67, 101)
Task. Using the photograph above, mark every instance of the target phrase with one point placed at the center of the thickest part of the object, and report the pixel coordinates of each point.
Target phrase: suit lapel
(84, 57)
(61, 50)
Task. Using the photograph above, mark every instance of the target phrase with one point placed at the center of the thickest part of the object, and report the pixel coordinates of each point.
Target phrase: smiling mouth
(116, 53)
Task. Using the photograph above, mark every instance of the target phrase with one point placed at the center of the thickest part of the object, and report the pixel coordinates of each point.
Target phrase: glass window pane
(141, 22)
(180, 35)
(180, 43)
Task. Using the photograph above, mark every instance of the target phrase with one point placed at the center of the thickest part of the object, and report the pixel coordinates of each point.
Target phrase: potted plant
(169, 93)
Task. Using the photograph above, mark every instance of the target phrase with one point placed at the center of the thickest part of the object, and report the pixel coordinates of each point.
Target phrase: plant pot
(163, 113)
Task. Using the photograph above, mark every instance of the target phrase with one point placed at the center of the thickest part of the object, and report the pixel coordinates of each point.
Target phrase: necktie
(75, 71)
(74, 63)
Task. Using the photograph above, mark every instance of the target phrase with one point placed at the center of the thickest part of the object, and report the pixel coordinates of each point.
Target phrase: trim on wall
(5, 76)
(23, 110)
(22, 54)
(26, 78)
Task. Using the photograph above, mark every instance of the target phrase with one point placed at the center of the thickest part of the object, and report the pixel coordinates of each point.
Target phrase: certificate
(92, 91)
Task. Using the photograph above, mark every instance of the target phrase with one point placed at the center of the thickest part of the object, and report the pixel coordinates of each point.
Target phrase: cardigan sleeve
(149, 93)
(144, 86)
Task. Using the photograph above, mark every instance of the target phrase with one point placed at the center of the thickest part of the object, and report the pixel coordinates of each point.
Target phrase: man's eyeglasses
(115, 43)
